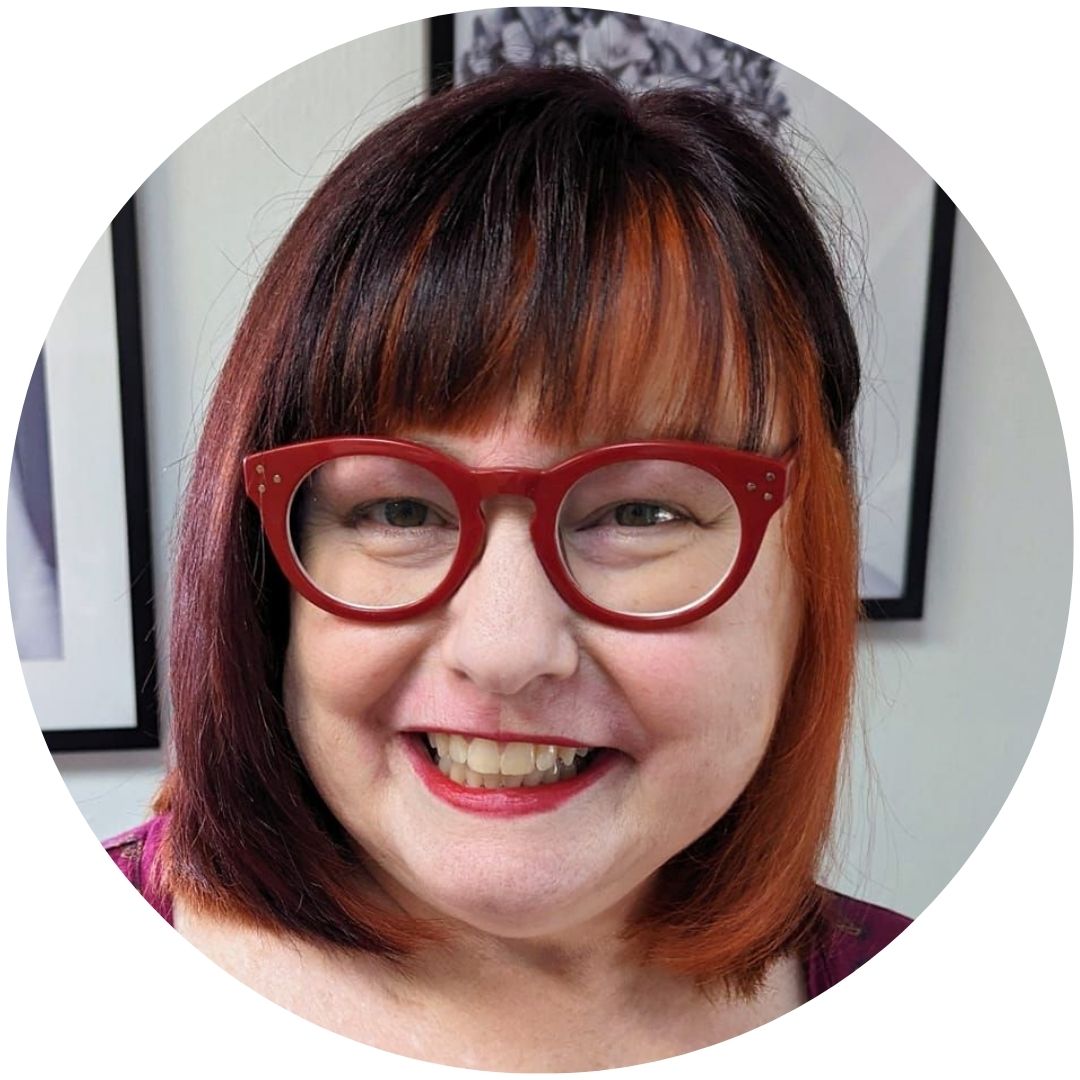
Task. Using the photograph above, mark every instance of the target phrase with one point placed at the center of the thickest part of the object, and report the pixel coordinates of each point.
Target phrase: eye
(641, 513)
(632, 515)
(399, 514)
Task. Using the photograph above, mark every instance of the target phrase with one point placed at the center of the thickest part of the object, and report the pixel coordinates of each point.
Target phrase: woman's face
(685, 713)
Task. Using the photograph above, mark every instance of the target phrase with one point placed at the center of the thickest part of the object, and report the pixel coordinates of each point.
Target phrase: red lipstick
(500, 736)
(503, 802)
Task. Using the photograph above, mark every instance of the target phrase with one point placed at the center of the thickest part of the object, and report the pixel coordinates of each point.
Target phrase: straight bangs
(636, 333)
(567, 270)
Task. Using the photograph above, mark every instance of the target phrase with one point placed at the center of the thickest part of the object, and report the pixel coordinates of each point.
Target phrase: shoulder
(137, 854)
(855, 930)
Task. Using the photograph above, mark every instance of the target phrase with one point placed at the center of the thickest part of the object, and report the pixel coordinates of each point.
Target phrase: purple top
(860, 929)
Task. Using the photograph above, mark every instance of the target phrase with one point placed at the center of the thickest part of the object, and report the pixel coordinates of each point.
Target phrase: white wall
(949, 705)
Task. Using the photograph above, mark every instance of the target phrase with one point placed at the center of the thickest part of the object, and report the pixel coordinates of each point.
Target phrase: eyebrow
(560, 451)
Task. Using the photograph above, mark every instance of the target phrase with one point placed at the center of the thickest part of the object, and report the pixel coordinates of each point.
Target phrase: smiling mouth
(485, 763)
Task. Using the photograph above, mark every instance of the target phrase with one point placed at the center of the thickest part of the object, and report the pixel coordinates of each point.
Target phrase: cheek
(708, 695)
(700, 691)
(336, 670)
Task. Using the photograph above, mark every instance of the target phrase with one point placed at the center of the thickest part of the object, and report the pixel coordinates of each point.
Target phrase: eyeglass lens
(637, 537)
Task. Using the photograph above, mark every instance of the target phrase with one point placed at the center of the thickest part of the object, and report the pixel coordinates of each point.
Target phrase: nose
(508, 627)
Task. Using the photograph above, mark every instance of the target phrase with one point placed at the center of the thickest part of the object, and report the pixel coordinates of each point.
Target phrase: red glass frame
(758, 484)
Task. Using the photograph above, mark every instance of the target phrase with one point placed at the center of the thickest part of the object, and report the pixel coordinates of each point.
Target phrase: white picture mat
(93, 685)
(885, 203)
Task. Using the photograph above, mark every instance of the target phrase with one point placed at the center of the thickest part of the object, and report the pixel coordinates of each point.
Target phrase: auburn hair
(632, 265)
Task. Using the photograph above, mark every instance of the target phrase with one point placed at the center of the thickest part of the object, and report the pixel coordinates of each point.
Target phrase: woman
(516, 593)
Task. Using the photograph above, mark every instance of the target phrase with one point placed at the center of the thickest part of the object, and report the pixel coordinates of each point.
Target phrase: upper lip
(506, 736)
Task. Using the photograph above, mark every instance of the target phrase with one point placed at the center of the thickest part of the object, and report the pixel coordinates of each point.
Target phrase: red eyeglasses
(638, 535)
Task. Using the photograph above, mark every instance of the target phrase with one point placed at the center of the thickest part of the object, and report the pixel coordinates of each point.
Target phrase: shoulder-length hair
(620, 260)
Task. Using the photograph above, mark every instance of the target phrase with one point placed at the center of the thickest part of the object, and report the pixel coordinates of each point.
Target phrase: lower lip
(504, 802)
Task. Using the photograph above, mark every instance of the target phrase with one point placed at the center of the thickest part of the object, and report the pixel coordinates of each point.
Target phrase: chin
(515, 902)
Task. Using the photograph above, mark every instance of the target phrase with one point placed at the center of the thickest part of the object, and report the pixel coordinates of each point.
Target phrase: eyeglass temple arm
(789, 459)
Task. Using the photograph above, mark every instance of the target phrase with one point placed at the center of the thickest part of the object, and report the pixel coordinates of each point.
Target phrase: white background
(96, 97)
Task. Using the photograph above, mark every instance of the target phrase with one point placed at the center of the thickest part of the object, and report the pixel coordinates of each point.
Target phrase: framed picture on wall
(896, 231)
(79, 569)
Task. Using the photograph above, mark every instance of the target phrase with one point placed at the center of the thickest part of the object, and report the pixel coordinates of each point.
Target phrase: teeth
(458, 749)
(484, 756)
(545, 758)
(485, 763)
(517, 759)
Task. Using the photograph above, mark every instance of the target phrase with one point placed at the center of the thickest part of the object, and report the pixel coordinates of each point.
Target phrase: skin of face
(690, 711)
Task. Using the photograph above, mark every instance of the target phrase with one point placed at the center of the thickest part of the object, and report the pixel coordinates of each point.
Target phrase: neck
(587, 963)
(568, 1001)
(564, 956)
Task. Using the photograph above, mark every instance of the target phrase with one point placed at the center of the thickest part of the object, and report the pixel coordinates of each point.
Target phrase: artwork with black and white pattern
(639, 52)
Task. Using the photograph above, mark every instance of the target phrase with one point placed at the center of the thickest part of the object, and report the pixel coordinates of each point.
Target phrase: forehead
(522, 434)
(514, 438)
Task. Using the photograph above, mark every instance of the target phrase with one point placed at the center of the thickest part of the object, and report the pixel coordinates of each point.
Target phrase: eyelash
(597, 517)
(359, 513)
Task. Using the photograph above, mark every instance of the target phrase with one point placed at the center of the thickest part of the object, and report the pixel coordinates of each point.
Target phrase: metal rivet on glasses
(262, 488)
(768, 496)
(259, 469)
(770, 476)
(277, 478)
(751, 486)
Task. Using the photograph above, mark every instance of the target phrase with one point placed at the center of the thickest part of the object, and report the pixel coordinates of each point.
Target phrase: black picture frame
(910, 603)
(908, 600)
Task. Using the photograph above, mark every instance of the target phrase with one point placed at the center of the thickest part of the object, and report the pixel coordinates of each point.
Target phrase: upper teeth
(490, 758)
